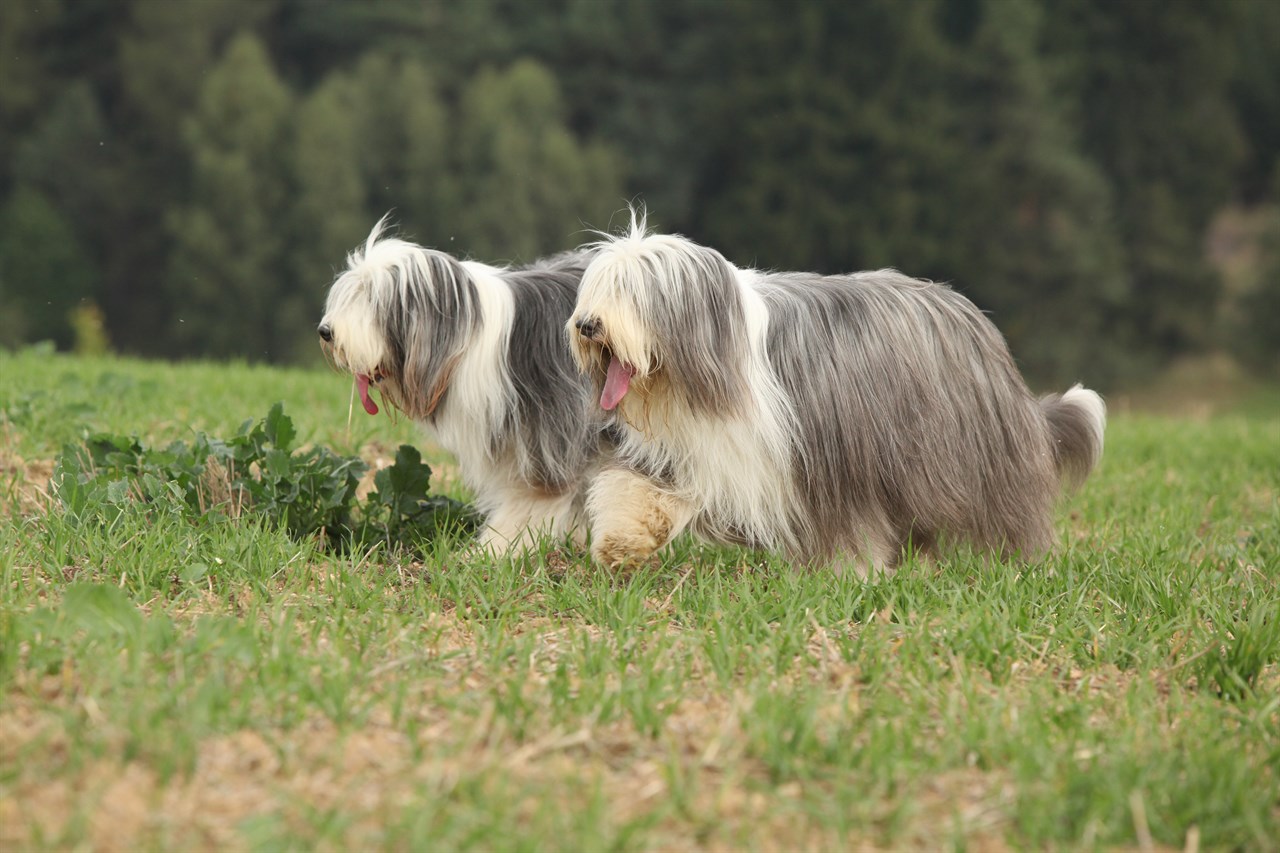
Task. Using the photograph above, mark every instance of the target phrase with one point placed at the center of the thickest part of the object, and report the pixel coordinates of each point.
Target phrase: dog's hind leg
(868, 545)
(632, 517)
(876, 554)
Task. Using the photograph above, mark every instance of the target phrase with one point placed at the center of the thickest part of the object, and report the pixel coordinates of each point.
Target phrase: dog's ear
(700, 332)
(436, 314)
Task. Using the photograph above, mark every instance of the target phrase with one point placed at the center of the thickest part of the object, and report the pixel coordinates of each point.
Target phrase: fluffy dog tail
(1077, 420)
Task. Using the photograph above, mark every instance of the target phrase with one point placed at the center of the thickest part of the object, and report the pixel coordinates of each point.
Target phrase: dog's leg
(875, 554)
(864, 565)
(922, 546)
(632, 517)
(524, 517)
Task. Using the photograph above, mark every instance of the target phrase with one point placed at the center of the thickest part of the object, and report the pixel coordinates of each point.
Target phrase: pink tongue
(616, 384)
(362, 382)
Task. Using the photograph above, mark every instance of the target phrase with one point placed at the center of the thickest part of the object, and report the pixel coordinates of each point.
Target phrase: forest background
(181, 178)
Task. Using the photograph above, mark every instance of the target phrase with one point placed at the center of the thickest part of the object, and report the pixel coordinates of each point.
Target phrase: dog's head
(399, 318)
(660, 320)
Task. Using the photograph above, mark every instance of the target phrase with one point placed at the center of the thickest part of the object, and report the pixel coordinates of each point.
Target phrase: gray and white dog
(476, 355)
(838, 419)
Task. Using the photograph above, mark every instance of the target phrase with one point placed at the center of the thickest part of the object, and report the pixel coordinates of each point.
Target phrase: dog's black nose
(588, 327)
(326, 333)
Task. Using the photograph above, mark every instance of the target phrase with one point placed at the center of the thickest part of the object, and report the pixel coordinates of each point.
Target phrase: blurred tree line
(196, 170)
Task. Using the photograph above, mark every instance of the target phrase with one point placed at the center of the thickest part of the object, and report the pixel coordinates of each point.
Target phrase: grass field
(170, 685)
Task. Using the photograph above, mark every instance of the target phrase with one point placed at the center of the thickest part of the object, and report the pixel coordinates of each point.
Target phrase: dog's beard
(626, 392)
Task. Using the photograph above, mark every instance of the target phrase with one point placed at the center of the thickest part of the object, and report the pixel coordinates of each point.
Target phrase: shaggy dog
(476, 355)
(838, 419)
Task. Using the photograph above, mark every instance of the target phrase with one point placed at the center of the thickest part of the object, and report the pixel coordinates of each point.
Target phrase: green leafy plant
(400, 508)
(258, 472)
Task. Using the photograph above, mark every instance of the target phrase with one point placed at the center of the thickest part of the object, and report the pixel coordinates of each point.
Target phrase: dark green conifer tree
(229, 266)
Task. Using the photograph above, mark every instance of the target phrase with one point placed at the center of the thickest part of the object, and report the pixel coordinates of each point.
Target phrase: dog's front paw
(632, 519)
(624, 552)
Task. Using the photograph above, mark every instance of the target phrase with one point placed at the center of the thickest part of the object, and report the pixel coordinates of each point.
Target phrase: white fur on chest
(737, 468)
(480, 391)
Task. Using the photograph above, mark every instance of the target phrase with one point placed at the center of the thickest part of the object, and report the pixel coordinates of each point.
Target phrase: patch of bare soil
(376, 773)
(26, 481)
(695, 784)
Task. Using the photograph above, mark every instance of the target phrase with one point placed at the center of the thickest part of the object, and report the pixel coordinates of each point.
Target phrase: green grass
(165, 684)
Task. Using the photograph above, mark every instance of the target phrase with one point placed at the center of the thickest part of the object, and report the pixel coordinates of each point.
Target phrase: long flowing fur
(835, 418)
(475, 354)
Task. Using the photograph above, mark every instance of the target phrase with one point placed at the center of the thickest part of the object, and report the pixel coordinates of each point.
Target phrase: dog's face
(398, 319)
(608, 336)
(659, 319)
(355, 339)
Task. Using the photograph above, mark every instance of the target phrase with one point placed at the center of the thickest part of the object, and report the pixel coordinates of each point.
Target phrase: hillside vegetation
(181, 179)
